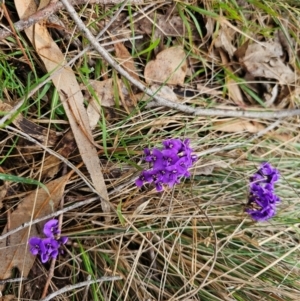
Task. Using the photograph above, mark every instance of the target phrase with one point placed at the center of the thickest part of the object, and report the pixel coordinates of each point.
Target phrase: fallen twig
(159, 101)
(11, 280)
(78, 285)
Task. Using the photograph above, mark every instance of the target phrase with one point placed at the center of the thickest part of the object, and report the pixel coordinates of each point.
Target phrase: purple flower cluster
(47, 247)
(262, 197)
(169, 165)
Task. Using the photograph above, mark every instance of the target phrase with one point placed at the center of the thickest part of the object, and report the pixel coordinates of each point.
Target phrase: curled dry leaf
(36, 204)
(169, 67)
(224, 39)
(265, 60)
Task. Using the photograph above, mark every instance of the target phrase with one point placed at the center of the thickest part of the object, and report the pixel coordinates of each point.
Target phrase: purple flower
(51, 228)
(36, 245)
(173, 144)
(261, 215)
(48, 247)
(169, 157)
(262, 198)
(63, 240)
(169, 165)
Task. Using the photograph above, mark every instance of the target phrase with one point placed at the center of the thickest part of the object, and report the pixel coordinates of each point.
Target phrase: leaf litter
(218, 64)
(169, 67)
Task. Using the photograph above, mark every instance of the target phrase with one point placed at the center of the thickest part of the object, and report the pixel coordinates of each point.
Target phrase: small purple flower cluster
(168, 165)
(262, 197)
(48, 247)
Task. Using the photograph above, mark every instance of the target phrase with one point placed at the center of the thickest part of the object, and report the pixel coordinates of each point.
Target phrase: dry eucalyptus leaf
(233, 88)
(70, 93)
(8, 298)
(234, 91)
(264, 60)
(94, 113)
(13, 251)
(169, 67)
(238, 125)
(165, 92)
(172, 26)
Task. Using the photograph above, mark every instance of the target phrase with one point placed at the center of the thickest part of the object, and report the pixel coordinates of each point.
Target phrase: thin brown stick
(161, 102)
(50, 9)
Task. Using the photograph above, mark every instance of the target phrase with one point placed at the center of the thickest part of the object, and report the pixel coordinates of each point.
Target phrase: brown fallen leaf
(225, 38)
(37, 204)
(238, 125)
(8, 298)
(265, 60)
(169, 67)
(70, 94)
(104, 90)
(125, 59)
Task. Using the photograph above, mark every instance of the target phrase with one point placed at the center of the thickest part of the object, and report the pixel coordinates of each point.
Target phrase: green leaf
(12, 178)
